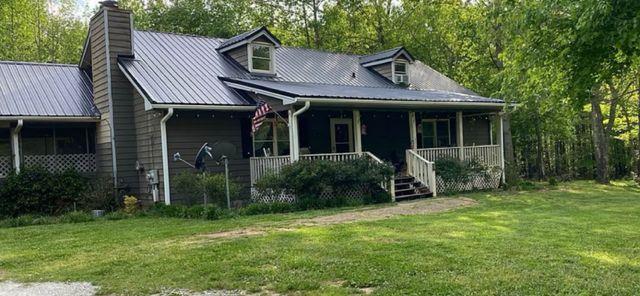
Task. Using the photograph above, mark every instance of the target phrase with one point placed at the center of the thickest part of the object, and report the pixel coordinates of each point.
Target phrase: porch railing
(261, 166)
(5, 166)
(85, 163)
(487, 154)
(422, 170)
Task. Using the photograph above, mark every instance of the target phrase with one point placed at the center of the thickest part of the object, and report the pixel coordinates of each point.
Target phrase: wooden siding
(187, 131)
(384, 70)
(115, 101)
(149, 149)
(239, 54)
(476, 131)
(100, 94)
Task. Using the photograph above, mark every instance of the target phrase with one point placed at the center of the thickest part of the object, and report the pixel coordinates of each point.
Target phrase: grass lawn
(580, 238)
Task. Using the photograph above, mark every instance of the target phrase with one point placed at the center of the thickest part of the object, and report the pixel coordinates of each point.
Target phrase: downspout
(296, 149)
(165, 156)
(15, 139)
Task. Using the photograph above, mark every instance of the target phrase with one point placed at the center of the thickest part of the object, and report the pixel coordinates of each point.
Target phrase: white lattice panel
(5, 166)
(55, 163)
(479, 181)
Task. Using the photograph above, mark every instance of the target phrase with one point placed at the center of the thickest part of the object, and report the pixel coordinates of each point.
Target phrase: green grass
(580, 238)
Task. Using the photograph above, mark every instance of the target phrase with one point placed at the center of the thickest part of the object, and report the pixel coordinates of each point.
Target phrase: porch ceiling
(347, 94)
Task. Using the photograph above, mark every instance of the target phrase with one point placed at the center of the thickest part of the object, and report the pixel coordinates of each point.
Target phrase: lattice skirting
(85, 163)
(479, 181)
(352, 195)
(5, 166)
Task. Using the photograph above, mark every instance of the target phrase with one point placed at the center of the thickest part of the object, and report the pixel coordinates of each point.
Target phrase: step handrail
(390, 185)
(422, 170)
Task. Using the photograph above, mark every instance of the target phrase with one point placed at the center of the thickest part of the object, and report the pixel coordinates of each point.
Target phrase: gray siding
(187, 131)
(100, 93)
(476, 131)
(240, 55)
(149, 149)
(384, 70)
(121, 117)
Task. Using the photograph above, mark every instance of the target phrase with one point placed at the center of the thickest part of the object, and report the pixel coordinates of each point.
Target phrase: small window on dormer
(400, 73)
(261, 58)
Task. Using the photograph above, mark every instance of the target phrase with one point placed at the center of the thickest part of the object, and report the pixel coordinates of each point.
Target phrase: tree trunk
(600, 141)
(511, 173)
(539, 156)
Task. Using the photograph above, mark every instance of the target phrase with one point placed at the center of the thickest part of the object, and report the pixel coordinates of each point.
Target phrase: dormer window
(261, 58)
(400, 73)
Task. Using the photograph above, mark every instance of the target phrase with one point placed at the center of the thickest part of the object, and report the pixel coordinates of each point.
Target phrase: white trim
(393, 70)
(413, 133)
(349, 123)
(435, 132)
(296, 138)
(15, 145)
(112, 133)
(286, 100)
(245, 42)
(165, 156)
(52, 118)
(399, 103)
(357, 130)
(292, 142)
(272, 63)
(378, 62)
(501, 135)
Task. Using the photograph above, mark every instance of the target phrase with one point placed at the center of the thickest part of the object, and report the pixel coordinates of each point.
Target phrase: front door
(341, 135)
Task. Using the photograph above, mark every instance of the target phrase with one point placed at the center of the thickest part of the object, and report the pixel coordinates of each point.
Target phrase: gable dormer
(393, 64)
(254, 50)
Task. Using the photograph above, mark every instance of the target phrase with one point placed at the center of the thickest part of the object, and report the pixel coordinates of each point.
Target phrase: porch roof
(45, 91)
(296, 90)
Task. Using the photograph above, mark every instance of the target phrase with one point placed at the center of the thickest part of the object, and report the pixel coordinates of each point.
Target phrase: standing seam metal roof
(47, 90)
(184, 69)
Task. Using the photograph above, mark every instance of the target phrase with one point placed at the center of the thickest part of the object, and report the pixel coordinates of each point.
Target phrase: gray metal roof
(47, 90)
(183, 69)
(317, 90)
(386, 54)
(244, 36)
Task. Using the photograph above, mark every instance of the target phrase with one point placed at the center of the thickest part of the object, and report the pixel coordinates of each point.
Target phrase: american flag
(261, 113)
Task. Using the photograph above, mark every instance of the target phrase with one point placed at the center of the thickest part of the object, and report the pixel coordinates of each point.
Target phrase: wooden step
(404, 179)
(412, 190)
(413, 196)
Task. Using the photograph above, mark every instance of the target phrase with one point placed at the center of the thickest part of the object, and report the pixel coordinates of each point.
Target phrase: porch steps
(408, 188)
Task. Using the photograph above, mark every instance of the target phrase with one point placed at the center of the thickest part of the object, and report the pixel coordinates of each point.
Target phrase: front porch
(412, 140)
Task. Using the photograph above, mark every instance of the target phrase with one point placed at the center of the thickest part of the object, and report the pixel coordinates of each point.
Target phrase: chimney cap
(109, 3)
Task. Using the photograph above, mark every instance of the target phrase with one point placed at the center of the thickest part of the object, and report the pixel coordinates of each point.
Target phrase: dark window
(58, 140)
(5, 142)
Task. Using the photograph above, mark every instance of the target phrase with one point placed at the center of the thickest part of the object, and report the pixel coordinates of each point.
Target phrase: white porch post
(501, 139)
(357, 131)
(293, 135)
(413, 135)
(15, 145)
(460, 134)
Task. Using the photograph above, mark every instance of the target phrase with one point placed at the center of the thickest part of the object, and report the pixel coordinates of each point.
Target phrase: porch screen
(5, 142)
(272, 137)
(435, 133)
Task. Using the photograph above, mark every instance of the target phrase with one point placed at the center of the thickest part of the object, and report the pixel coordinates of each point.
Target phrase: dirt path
(423, 206)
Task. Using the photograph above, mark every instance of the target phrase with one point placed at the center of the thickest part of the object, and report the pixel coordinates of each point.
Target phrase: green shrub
(213, 212)
(76, 217)
(39, 192)
(130, 204)
(453, 169)
(192, 187)
(100, 195)
(308, 180)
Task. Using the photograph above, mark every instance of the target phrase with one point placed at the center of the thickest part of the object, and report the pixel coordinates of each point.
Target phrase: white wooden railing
(261, 166)
(5, 166)
(422, 170)
(85, 163)
(488, 154)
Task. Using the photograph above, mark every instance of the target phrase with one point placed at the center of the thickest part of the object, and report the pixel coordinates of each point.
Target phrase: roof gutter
(52, 118)
(204, 107)
(397, 103)
(15, 143)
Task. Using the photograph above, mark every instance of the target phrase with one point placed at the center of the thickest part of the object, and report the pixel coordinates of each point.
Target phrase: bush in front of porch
(324, 183)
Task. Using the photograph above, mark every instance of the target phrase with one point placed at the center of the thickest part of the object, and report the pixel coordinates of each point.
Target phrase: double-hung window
(400, 73)
(436, 133)
(261, 58)
(271, 139)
